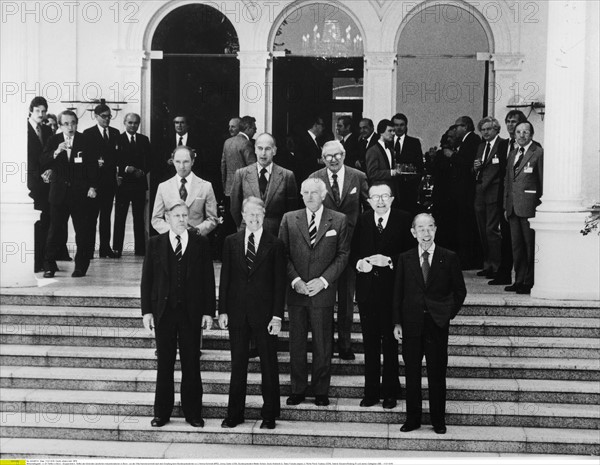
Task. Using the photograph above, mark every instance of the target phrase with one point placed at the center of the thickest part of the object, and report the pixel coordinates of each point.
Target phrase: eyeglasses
(337, 156)
(105, 116)
(377, 197)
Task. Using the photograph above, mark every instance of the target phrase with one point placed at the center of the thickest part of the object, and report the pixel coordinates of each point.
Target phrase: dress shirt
(385, 216)
(318, 215)
(269, 168)
(101, 129)
(401, 138)
(313, 137)
(257, 236)
(492, 142)
(466, 135)
(340, 178)
(184, 141)
(129, 136)
(525, 149)
(184, 240)
(430, 252)
(387, 152)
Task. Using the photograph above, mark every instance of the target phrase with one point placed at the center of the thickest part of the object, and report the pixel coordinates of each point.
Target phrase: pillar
(380, 85)
(254, 91)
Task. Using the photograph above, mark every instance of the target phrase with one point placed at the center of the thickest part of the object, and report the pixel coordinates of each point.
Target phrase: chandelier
(332, 42)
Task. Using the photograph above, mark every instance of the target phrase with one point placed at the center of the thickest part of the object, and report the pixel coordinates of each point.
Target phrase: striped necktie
(178, 249)
(425, 265)
(251, 252)
(182, 190)
(312, 230)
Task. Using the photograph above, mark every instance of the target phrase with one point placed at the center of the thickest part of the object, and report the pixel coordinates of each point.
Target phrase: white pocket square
(531, 192)
(353, 191)
(331, 233)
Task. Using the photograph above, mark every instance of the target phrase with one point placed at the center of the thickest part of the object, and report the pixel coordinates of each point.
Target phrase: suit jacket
(200, 200)
(353, 195)
(395, 239)
(257, 294)
(107, 179)
(326, 259)
(442, 295)
(378, 165)
(238, 152)
(66, 173)
(352, 148)
(523, 187)
(163, 169)
(38, 189)
(411, 152)
(199, 281)
(138, 156)
(491, 173)
(362, 149)
(281, 195)
(307, 154)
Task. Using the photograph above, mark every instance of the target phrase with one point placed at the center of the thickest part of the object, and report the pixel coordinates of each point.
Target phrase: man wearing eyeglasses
(104, 141)
(381, 235)
(347, 193)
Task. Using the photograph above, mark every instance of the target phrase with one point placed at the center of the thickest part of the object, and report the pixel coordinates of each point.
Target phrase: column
(567, 263)
(506, 68)
(380, 85)
(254, 92)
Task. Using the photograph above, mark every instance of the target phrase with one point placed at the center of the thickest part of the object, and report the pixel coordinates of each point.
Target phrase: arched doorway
(439, 75)
(198, 75)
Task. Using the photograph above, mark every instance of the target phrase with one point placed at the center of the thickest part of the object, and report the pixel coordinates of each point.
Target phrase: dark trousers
(137, 197)
(80, 208)
(378, 338)
(106, 198)
(506, 261)
(345, 313)
(433, 343)
(173, 330)
(488, 215)
(523, 249)
(320, 320)
(40, 235)
(239, 338)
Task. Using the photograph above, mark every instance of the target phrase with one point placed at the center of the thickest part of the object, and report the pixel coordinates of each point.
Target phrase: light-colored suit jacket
(281, 195)
(200, 200)
(326, 259)
(238, 151)
(523, 187)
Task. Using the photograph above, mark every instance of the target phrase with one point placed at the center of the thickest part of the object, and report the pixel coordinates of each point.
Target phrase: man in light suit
(274, 185)
(195, 192)
(523, 188)
(489, 167)
(238, 151)
(380, 157)
(429, 292)
(347, 193)
(316, 245)
(251, 300)
(178, 300)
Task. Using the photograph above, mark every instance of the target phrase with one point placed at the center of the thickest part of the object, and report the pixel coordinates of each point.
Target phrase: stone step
(466, 345)
(219, 360)
(214, 382)
(487, 439)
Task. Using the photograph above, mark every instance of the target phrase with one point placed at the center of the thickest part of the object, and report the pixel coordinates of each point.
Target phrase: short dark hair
(38, 102)
(101, 108)
(67, 113)
(468, 122)
(400, 116)
(346, 120)
(246, 122)
(383, 125)
(518, 114)
(530, 126)
(314, 120)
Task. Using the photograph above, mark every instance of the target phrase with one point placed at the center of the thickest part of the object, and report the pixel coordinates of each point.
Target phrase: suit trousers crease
(523, 249)
(105, 200)
(41, 229)
(266, 345)
(488, 223)
(320, 320)
(345, 294)
(137, 198)
(175, 329)
(433, 343)
(378, 338)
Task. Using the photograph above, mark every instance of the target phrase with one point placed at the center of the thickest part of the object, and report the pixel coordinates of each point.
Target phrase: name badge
(78, 158)
(528, 169)
(495, 161)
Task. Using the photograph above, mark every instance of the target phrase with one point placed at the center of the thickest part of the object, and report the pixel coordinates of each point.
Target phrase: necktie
(519, 158)
(511, 146)
(486, 154)
(180, 140)
(133, 140)
(312, 230)
(182, 190)
(105, 135)
(397, 150)
(425, 266)
(251, 252)
(178, 249)
(380, 225)
(335, 187)
(262, 182)
(38, 130)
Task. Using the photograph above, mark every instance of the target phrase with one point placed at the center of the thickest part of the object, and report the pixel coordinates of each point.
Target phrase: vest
(177, 275)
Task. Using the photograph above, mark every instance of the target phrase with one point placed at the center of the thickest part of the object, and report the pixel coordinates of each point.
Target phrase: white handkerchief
(353, 191)
(530, 192)
(331, 233)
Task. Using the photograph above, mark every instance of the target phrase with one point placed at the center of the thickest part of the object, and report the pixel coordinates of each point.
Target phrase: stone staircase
(521, 379)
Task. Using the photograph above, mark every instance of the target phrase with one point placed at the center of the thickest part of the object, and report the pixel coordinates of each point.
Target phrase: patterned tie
(105, 135)
(519, 158)
(38, 130)
(312, 230)
(251, 252)
(380, 225)
(335, 188)
(182, 190)
(180, 140)
(425, 265)
(262, 182)
(178, 249)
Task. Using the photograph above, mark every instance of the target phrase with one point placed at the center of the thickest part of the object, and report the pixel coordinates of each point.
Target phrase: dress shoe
(483, 272)
(369, 402)
(440, 429)
(491, 275)
(196, 422)
(295, 399)
(107, 254)
(347, 355)
(77, 274)
(321, 401)
(49, 273)
(512, 287)
(267, 424)
(390, 402)
(157, 422)
(117, 253)
(498, 281)
(522, 289)
(409, 426)
(230, 423)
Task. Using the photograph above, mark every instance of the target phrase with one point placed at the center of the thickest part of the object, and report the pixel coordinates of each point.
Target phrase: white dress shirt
(257, 236)
(430, 252)
(184, 240)
(340, 178)
(387, 152)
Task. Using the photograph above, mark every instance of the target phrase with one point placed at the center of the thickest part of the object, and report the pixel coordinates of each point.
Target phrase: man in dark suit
(408, 153)
(307, 149)
(72, 192)
(368, 138)
(251, 300)
(380, 236)
(348, 139)
(104, 141)
(380, 157)
(133, 164)
(347, 193)
(178, 300)
(489, 167)
(523, 188)
(37, 137)
(274, 185)
(316, 246)
(428, 293)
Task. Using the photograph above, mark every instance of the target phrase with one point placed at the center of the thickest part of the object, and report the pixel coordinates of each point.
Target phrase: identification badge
(495, 161)
(77, 160)
(528, 169)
